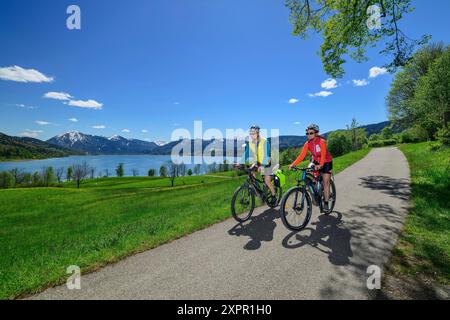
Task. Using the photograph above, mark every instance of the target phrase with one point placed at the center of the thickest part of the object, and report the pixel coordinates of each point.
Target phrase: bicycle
(309, 190)
(243, 201)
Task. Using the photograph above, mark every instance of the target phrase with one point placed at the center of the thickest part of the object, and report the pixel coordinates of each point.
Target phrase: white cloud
(320, 94)
(31, 133)
(377, 71)
(58, 95)
(101, 126)
(92, 104)
(297, 122)
(144, 131)
(73, 119)
(20, 105)
(293, 101)
(360, 83)
(18, 74)
(329, 84)
(126, 130)
(177, 103)
(42, 123)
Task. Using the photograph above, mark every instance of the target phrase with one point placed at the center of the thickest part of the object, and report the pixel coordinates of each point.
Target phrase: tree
(386, 133)
(189, 172)
(69, 173)
(401, 98)
(6, 180)
(92, 169)
(432, 97)
(120, 171)
(135, 172)
(173, 171)
(358, 136)
(182, 170)
(80, 172)
(338, 144)
(163, 171)
(348, 28)
(59, 174)
(151, 172)
(197, 168)
(48, 176)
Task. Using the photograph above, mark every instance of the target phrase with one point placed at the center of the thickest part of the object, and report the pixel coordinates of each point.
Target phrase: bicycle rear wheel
(242, 203)
(296, 209)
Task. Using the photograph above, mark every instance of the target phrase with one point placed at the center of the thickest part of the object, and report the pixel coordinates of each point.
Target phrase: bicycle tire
(332, 194)
(283, 213)
(233, 204)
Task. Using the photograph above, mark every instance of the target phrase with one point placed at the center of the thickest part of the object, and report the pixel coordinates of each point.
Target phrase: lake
(106, 163)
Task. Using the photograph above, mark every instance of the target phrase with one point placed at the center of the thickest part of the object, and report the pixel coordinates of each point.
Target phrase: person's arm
(301, 156)
(245, 155)
(323, 152)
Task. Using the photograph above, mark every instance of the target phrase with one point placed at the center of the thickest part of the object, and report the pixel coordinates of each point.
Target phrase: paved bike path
(261, 259)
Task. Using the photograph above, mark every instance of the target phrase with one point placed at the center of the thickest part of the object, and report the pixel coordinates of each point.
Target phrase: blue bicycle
(296, 205)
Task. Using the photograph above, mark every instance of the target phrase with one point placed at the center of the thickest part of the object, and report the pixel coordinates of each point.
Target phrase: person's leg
(326, 186)
(268, 181)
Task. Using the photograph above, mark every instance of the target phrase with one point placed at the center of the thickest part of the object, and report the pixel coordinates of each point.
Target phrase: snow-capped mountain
(102, 145)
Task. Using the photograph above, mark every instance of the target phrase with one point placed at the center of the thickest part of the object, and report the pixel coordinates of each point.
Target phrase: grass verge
(423, 250)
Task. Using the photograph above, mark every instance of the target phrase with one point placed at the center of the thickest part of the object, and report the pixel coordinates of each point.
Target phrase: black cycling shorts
(327, 167)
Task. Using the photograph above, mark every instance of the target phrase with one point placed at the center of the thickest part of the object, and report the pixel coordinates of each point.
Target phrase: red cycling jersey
(318, 149)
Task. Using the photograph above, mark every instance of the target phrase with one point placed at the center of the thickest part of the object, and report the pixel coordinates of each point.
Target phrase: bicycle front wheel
(242, 203)
(296, 209)
(332, 199)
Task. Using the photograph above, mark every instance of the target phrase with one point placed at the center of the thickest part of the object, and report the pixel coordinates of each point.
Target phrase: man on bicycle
(257, 155)
(321, 157)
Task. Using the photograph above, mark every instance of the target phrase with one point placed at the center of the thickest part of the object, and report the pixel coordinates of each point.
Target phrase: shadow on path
(259, 228)
(329, 236)
(398, 188)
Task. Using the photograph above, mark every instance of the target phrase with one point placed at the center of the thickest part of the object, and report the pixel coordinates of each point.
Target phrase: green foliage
(432, 96)
(120, 171)
(443, 136)
(408, 97)
(386, 133)
(163, 171)
(151, 172)
(345, 31)
(414, 134)
(189, 172)
(338, 143)
(7, 180)
(69, 174)
(382, 143)
(288, 156)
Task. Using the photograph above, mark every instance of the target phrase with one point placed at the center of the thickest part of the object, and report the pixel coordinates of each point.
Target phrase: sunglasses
(311, 133)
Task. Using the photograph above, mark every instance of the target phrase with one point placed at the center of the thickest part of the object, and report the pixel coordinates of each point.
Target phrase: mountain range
(74, 142)
(30, 148)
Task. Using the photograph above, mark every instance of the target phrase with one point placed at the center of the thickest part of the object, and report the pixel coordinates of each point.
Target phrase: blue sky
(158, 65)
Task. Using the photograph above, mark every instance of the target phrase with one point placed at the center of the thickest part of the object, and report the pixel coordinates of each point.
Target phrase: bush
(382, 143)
(7, 180)
(443, 135)
(339, 145)
(151, 172)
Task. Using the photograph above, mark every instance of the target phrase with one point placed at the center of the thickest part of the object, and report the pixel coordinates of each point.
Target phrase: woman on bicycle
(321, 157)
